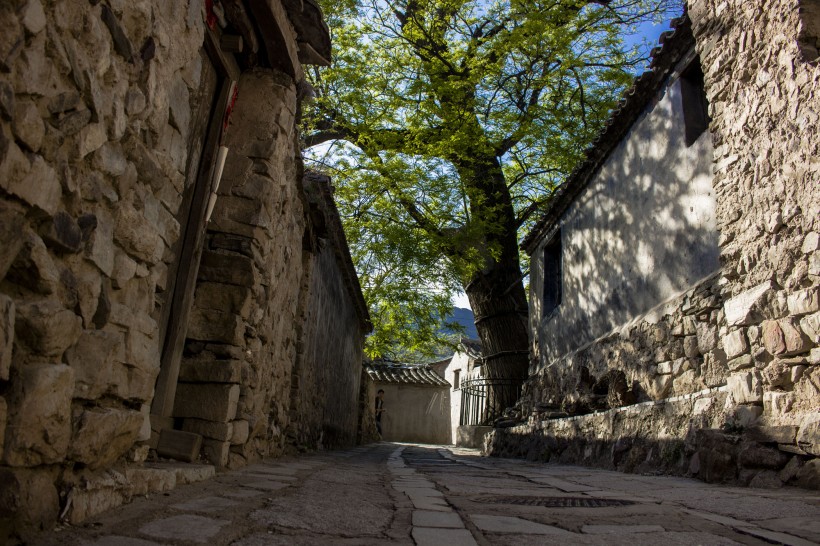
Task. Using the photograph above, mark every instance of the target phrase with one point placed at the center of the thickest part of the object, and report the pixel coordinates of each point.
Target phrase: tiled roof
(404, 374)
(472, 347)
(674, 46)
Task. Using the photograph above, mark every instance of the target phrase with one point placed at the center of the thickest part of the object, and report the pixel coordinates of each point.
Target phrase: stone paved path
(430, 495)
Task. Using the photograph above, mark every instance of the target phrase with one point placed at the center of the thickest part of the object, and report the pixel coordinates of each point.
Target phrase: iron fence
(484, 400)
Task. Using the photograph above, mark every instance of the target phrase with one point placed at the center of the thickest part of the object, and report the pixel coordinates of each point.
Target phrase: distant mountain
(465, 318)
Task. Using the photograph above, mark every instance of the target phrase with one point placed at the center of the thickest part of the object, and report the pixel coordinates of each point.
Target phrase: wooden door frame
(183, 277)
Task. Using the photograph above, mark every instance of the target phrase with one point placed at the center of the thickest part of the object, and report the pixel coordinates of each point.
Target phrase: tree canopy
(452, 122)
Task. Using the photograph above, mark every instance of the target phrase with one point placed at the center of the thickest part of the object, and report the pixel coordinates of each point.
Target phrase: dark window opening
(456, 379)
(552, 275)
(809, 37)
(695, 106)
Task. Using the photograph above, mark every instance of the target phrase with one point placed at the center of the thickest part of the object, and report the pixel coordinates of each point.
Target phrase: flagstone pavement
(389, 493)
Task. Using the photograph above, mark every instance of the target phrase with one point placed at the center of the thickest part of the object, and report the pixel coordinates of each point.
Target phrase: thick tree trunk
(499, 303)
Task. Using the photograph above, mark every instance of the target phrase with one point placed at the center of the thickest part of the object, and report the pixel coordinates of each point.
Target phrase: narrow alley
(431, 495)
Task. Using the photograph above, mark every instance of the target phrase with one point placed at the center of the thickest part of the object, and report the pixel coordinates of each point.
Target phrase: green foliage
(453, 121)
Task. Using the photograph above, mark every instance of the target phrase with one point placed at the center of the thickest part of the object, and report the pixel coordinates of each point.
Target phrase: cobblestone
(404, 494)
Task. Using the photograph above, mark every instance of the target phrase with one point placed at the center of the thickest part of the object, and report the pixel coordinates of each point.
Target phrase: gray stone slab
(422, 492)
(775, 536)
(206, 504)
(123, 541)
(514, 525)
(808, 528)
(184, 527)
(404, 486)
(607, 529)
(428, 518)
(436, 504)
(427, 536)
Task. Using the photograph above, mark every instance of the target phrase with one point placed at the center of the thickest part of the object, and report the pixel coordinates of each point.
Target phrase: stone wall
(415, 413)
(327, 374)
(753, 329)
(236, 374)
(764, 106)
(107, 111)
(672, 350)
(94, 126)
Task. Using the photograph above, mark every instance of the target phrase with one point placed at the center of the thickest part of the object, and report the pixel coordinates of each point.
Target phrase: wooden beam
(192, 241)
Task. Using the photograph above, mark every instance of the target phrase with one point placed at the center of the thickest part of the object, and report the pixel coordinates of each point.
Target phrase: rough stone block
(176, 444)
(216, 452)
(211, 371)
(766, 479)
(808, 436)
(47, 328)
(811, 243)
(142, 351)
(150, 480)
(208, 401)
(63, 234)
(31, 495)
(746, 416)
(209, 429)
(39, 187)
(777, 403)
(746, 387)
(27, 125)
(225, 297)
(137, 236)
(42, 415)
(717, 453)
(785, 434)
(795, 340)
(690, 347)
(100, 249)
(132, 384)
(809, 475)
(241, 432)
(735, 344)
(660, 386)
(707, 335)
(90, 139)
(741, 363)
(228, 269)
(33, 17)
(804, 301)
(215, 325)
(103, 435)
(92, 359)
(773, 339)
(744, 308)
(811, 327)
(665, 368)
(753, 455)
(94, 499)
(6, 335)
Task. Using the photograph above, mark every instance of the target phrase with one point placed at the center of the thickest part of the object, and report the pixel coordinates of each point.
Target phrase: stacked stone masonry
(111, 113)
(740, 347)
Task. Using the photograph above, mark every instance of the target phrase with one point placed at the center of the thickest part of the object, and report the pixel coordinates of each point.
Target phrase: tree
(454, 122)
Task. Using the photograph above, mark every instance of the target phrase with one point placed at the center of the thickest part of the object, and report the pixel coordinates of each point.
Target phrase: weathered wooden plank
(187, 265)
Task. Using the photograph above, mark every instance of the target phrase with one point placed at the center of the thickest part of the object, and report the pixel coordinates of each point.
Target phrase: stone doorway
(209, 107)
